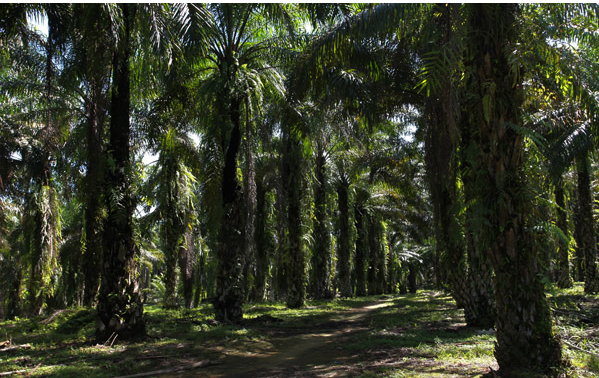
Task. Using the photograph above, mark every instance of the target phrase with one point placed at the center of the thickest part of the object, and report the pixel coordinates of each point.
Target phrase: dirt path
(313, 352)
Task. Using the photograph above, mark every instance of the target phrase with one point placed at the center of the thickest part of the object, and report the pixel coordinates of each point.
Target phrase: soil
(318, 352)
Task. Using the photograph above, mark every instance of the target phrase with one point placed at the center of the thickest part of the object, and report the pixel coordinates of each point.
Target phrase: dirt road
(313, 352)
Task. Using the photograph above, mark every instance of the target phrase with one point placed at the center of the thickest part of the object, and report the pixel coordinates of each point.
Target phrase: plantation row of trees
(244, 152)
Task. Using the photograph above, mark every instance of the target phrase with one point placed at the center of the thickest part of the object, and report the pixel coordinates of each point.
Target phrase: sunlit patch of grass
(429, 331)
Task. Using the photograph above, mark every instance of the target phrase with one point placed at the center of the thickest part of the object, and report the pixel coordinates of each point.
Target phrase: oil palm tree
(524, 331)
(120, 310)
(237, 75)
(36, 111)
(172, 183)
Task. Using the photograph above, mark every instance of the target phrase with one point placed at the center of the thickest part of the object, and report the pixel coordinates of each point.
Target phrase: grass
(412, 335)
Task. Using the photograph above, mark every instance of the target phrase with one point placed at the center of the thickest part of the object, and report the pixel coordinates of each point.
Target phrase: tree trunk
(320, 285)
(479, 308)
(187, 263)
(120, 309)
(249, 197)
(392, 267)
(564, 280)
(14, 294)
(361, 248)
(586, 223)
(524, 334)
(412, 275)
(579, 251)
(199, 279)
(343, 252)
(441, 146)
(280, 280)
(229, 286)
(292, 176)
(93, 209)
(45, 243)
(170, 239)
(263, 243)
(381, 242)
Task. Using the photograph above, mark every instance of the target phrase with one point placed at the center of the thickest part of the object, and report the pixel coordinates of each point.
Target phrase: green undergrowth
(576, 319)
(428, 335)
(411, 335)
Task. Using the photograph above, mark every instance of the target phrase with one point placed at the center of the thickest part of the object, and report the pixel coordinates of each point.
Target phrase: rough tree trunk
(293, 185)
(586, 223)
(564, 280)
(229, 284)
(93, 209)
(361, 248)
(320, 283)
(524, 334)
(262, 244)
(120, 309)
(343, 252)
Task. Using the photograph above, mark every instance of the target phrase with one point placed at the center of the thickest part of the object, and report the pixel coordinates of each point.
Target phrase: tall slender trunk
(375, 273)
(378, 244)
(170, 237)
(563, 280)
(44, 241)
(93, 209)
(344, 251)
(320, 284)
(292, 176)
(120, 309)
(360, 220)
(280, 280)
(412, 276)
(579, 251)
(187, 264)
(392, 266)
(587, 225)
(525, 338)
(229, 286)
(14, 297)
(262, 243)
(199, 278)
(249, 199)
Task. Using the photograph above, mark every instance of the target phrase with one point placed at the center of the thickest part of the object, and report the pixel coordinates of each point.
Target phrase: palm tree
(343, 180)
(120, 309)
(34, 108)
(292, 179)
(90, 62)
(173, 182)
(524, 332)
(320, 278)
(237, 77)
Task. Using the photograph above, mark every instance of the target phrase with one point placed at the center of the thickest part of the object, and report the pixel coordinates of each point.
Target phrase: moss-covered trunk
(170, 238)
(292, 175)
(120, 309)
(343, 241)
(479, 308)
(320, 282)
(524, 334)
(229, 284)
(93, 205)
(563, 280)
(263, 242)
(361, 256)
(587, 225)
